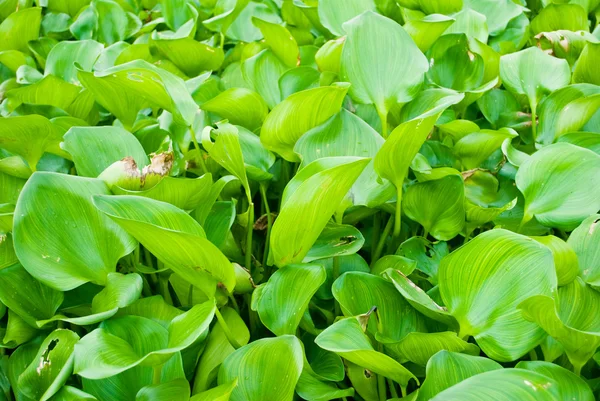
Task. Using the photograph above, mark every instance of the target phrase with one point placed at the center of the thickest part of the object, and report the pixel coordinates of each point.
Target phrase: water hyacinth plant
(281, 200)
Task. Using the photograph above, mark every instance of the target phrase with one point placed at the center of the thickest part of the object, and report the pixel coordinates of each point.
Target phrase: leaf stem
(383, 117)
(381, 387)
(382, 239)
(265, 202)
(534, 121)
(156, 373)
(392, 388)
(226, 329)
(249, 232)
(398, 214)
(197, 146)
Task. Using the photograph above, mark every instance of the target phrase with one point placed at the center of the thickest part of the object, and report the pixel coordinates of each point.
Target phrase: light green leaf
(335, 240)
(583, 240)
(433, 6)
(297, 114)
(280, 41)
(474, 149)
(19, 28)
(176, 390)
(62, 58)
(126, 89)
(262, 72)
(68, 393)
(333, 16)
(311, 388)
(482, 282)
(471, 23)
(274, 360)
(438, 205)
(557, 182)
(173, 236)
(51, 367)
(498, 13)
(308, 202)
(565, 258)
(554, 17)
(240, 106)
(377, 53)
(347, 339)
(120, 344)
(419, 348)
(570, 386)
(282, 301)
(445, 369)
(584, 70)
(60, 237)
(95, 148)
(219, 393)
(427, 30)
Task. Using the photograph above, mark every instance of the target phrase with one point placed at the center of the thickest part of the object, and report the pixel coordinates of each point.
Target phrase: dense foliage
(276, 200)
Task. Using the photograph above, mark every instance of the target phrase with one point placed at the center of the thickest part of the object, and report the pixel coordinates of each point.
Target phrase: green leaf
(358, 292)
(308, 202)
(276, 360)
(30, 137)
(445, 369)
(377, 52)
(282, 301)
(333, 16)
(567, 319)
(567, 110)
(297, 114)
(95, 148)
(432, 6)
(60, 237)
(311, 388)
(498, 13)
(583, 241)
(503, 385)
(437, 205)
(482, 282)
(419, 348)
(554, 17)
(262, 73)
(427, 30)
(120, 344)
(280, 41)
(105, 21)
(51, 367)
(335, 240)
(173, 236)
(471, 23)
(533, 73)
(474, 149)
(126, 89)
(218, 348)
(178, 389)
(570, 385)
(347, 339)
(27, 297)
(565, 258)
(556, 182)
(219, 393)
(63, 57)
(19, 28)
(585, 65)
(240, 106)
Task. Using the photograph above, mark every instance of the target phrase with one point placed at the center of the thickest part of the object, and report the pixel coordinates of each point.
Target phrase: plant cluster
(275, 200)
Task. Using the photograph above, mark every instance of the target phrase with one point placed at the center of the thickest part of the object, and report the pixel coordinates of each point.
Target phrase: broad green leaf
(95, 148)
(308, 202)
(445, 369)
(120, 344)
(567, 319)
(432, 6)
(358, 292)
(533, 73)
(30, 137)
(554, 17)
(503, 385)
(348, 263)
(297, 114)
(570, 385)
(583, 241)
(557, 184)
(336, 240)
(567, 110)
(345, 134)
(60, 237)
(275, 360)
(333, 16)
(173, 236)
(584, 70)
(257, 160)
(242, 28)
(178, 389)
(482, 282)
(427, 30)
(240, 106)
(420, 347)
(105, 21)
(262, 72)
(68, 393)
(474, 149)
(219, 393)
(282, 300)
(225, 12)
(298, 79)
(395, 262)
(51, 367)
(63, 57)
(311, 388)
(498, 13)
(120, 291)
(588, 140)
(437, 205)
(328, 58)
(382, 63)
(26, 296)
(471, 23)
(565, 258)
(218, 348)
(126, 89)
(347, 339)
(48, 91)
(280, 41)
(176, 12)
(19, 28)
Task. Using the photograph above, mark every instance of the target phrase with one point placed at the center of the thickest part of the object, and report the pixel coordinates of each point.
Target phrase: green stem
(226, 329)
(403, 391)
(336, 274)
(191, 295)
(383, 118)
(375, 234)
(249, 233)
(534, 121)
(382, 239)
(263, 194)
(381, 387)
(398, 214)
(533, 355)
(425, 233)
(392, 388)
(163, 283)
(197, 146)
(156, 373)
(234, 303)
